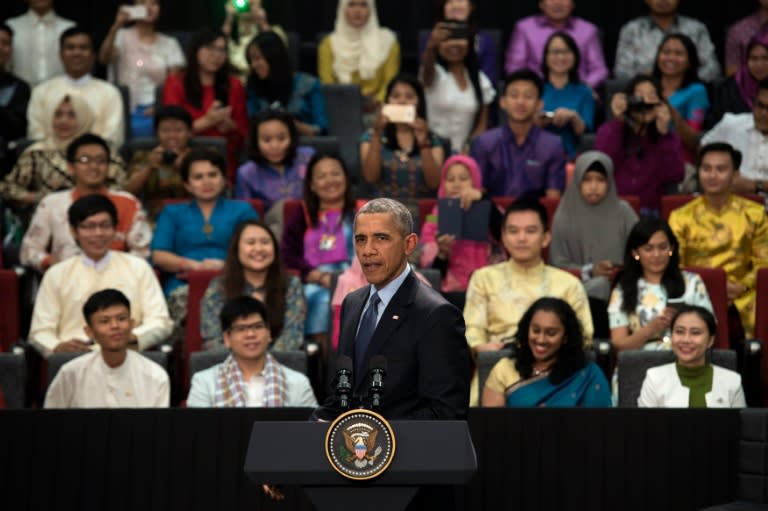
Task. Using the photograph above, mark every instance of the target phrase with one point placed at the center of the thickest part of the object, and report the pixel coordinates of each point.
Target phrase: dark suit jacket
(428, 361)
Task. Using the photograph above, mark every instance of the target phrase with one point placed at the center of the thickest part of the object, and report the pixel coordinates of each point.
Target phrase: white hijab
(362, 50)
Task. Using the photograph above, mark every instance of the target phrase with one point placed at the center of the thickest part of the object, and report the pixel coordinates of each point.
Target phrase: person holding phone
(140, 57)
(402, 160)
(243, 21)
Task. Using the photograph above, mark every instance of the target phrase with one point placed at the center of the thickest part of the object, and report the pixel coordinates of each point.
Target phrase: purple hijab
(747, 83)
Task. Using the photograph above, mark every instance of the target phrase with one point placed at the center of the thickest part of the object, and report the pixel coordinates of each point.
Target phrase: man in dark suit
(397, 316)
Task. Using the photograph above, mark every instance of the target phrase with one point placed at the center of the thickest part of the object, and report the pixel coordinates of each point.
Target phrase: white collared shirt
(36, 46)
(78, 82)
(739, 131)
(96, 265)
(385, 294)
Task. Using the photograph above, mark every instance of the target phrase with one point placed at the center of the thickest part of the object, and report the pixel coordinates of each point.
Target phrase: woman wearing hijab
(590, 229)
(359, 51)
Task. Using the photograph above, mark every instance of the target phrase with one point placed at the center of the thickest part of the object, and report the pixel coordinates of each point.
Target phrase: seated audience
(739, 34)
(68, 284)
(115, 376)
(35, 54)
(498, 295)
(747, 133)
(42, 168)
(276, 163)
(140, 58)
(529, 35)
(590, 230)
(272, 83)
(692, 381)
(519, 158)
(736, 94)
(549, 367)
(649, 287)
(676, 69)
(359, 51)
(639, 38)
(457, 91)
(448, 13)
(318, 240)
(645, 151)
(105, 100)
(14, 96)
(241, 27)
(49, 240)
(213, 97)
(721, 230)
(194, 235)
(569, 107)
(250, 376)
(155, 175)
(254, 268)
(402, 160)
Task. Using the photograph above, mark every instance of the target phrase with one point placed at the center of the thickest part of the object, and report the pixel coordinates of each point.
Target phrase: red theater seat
(715, 281)
(9, 310)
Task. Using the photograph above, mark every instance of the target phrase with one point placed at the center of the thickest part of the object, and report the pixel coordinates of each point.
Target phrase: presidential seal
(360, 444)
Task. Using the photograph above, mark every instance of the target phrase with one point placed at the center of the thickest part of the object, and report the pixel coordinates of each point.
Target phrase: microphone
(378, 369)
(343, 380)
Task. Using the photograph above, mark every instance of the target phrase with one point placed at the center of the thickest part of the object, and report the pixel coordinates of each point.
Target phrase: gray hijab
(584, 233)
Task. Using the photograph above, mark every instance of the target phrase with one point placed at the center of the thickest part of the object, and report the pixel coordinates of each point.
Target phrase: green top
(699, 383)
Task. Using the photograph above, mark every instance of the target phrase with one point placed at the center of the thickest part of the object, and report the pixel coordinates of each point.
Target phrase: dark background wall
(308, 17)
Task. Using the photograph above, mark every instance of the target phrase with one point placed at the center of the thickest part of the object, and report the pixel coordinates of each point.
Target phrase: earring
(637, 257)
(670, 253)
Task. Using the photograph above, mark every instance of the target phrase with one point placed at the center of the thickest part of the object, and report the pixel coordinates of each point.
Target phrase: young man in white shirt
(250, 376)
(115, 376)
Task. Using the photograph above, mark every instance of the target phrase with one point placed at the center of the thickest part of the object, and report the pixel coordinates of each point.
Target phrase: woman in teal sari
(550, 367)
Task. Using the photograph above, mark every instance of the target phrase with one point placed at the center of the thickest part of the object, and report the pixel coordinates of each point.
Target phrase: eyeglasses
(92, 226)
(253, 327)
(98, 160)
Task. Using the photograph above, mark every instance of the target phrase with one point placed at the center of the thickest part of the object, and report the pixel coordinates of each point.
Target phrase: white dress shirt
(739, 131)
(36, 46)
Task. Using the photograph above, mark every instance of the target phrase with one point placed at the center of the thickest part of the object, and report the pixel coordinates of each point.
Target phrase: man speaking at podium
(401, 320)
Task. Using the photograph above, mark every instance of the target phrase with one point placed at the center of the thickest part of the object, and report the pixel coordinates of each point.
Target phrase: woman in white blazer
(692, 381)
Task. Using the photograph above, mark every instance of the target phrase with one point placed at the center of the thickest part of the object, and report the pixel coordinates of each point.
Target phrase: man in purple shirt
(526, 44)
(520, 158)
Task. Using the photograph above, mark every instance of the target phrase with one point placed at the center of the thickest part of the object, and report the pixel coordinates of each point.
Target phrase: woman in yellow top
(359, 51)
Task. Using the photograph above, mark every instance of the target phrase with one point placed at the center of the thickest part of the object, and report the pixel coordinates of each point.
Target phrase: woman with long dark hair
(548, 366)
(272, 83)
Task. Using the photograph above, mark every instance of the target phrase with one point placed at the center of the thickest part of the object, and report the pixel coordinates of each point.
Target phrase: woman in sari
(549, 367)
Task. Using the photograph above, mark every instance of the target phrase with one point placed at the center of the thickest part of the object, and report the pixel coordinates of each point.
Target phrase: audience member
(460, 14)
(14, 96)
(739, 34)
(49, 240)
(155, 175)
(402, 160)
(529, 35)
(67, 285)
(569, 106)
(213, 97)
(747, 133)
(639, 39)
(457, 91)
(548, 367)
(318, 240)
(194, 235)
(272, 83)
(76, 52)
(254, 268)
(140, 58)
(498, 295)
(645, 151)
(240, 27)
(35, 58)
(114, 376)
(276, 163)
(721, 230)
(676, 69)
(359, 51)
(649, 287)
(736, 94)
(250, 376)
(590, 230)
(520, 158)
(692, 381)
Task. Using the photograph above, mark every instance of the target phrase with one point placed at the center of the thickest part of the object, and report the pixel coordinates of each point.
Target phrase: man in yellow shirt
(722, 230)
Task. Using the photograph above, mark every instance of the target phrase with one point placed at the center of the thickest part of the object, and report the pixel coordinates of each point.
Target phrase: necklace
(540, 372)
(207, 229)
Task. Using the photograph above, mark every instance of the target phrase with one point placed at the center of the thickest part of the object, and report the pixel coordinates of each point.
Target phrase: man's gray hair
(401, 215)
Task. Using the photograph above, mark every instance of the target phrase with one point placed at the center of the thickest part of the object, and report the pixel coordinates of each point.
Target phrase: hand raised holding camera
(663, 117)
(619, 105)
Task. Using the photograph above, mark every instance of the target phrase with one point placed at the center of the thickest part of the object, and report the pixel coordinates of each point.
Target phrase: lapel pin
(395, 317)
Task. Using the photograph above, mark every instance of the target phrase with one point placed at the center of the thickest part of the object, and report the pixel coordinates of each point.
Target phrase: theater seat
(9, 311)
(13, 377)
(761, 326)
(715, 281)
(485, 362)
(198, 283)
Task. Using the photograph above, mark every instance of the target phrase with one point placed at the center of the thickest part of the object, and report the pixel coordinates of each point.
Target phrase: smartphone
(548, 115)
(136, 12)
(458, 29)
(241, 5)
(169, 157)
(404, 114)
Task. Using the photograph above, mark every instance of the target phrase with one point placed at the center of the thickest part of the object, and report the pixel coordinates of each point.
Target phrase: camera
(457, 29)
(638, 104)
(169, 157)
